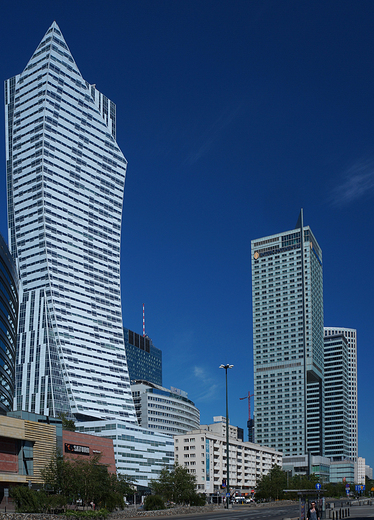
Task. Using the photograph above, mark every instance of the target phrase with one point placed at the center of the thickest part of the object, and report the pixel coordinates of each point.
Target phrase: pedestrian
(313, 513)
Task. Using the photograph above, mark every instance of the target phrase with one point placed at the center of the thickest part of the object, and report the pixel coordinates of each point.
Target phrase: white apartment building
(361, 470)
(203, 452)
(219, 426)
(351, 337)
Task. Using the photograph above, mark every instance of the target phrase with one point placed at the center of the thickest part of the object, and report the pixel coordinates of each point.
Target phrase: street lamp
(227, 366)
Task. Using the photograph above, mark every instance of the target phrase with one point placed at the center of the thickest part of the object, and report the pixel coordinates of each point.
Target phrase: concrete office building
(65, 180)
(287, 292)
(144, 360)
(304, 464)
(203, 452)
(343, 471)
(9, 286)
(163, 410)
(336, 397)
(351, 337)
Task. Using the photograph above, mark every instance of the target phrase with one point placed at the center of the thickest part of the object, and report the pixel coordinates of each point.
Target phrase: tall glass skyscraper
(337, 408)
(287, 289)
(144, 360)
(65, 184)
(351, 337)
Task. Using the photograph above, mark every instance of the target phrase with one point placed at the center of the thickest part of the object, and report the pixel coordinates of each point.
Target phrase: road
(239, 512)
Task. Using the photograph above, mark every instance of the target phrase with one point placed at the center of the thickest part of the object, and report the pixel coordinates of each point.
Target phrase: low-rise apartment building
(203, 452)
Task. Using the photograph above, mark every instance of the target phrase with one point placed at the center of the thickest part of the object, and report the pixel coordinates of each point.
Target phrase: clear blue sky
(233, 115)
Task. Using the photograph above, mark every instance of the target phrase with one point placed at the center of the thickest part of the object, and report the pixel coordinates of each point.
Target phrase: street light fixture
(226, 367)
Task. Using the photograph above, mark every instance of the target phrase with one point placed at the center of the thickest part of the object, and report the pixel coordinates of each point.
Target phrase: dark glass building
(144, 360)
(8, 326)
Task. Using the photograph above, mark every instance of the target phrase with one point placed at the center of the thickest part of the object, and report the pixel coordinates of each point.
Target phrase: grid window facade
(288, 342)
(351, 337)
(65, 182)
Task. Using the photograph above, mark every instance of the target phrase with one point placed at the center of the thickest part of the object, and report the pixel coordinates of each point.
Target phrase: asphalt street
(274, 513)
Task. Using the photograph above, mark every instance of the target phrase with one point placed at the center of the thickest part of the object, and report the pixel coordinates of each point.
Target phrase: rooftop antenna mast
(143, 322)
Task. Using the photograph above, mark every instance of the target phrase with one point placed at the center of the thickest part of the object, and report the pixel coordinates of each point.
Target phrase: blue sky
(233, 115)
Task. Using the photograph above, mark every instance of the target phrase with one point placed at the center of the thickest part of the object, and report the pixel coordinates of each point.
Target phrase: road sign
(318, 486)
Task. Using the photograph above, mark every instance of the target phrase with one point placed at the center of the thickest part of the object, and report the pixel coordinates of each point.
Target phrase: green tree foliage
(335, 490)
(301, 482)
(176, 485)
(271, 486)
(30, 501)
(67, 424)
(153, 503)
(87, 480)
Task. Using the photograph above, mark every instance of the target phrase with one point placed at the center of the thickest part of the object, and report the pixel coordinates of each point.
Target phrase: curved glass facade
(8, 326)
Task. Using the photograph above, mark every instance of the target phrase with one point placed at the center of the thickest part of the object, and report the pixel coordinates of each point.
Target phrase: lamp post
(226, 367)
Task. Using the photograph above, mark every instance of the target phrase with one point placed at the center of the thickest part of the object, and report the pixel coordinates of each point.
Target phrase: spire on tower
(143, 322)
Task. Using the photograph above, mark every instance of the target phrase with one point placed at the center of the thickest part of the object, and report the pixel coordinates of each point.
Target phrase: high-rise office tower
(336, 384)
(144, 360)
(65, 182)
(287, 297)
(351, 337)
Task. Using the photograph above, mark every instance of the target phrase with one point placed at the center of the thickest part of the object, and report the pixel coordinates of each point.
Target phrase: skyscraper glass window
(143, 358)
(65, 180)
(288, 341)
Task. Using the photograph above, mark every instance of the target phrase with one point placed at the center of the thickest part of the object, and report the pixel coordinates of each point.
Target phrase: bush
(153, 503)
(26, 500)
(197, 499)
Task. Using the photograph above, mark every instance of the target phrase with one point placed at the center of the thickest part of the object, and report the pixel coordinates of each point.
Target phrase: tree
(176, 485)
(153, 503)
(31, 501)
(272, 484)
(67, 424)
(86, 479)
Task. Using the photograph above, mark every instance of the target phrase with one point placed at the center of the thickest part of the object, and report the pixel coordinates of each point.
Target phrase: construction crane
(249, 403)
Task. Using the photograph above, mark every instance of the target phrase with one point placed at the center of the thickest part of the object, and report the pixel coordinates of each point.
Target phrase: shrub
(153, 503)
(197, 499)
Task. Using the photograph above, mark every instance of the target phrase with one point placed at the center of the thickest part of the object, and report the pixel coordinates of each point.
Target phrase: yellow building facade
(25, 449)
